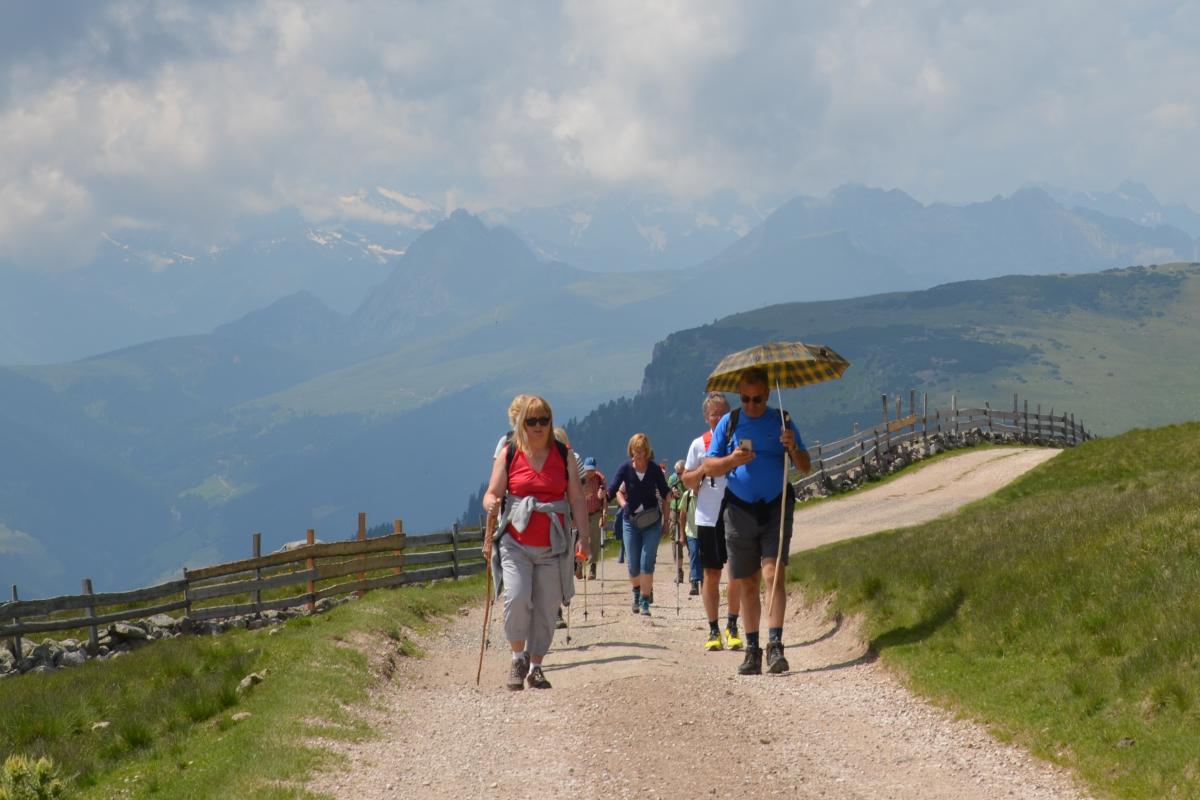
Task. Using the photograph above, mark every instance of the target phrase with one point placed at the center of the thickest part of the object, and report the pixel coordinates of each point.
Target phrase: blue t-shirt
(762, 478)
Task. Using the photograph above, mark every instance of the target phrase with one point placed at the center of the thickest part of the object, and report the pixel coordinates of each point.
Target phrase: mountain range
(298, 413)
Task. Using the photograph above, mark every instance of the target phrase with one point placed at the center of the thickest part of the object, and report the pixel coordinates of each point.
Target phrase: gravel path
(639, 709)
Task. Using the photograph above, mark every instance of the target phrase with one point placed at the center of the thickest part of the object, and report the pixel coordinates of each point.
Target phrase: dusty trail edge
(639, 709)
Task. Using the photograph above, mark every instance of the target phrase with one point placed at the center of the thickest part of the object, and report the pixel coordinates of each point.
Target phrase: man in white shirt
(710, 491)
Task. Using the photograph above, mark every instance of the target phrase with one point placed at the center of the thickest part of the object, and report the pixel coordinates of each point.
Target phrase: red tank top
(547, 486)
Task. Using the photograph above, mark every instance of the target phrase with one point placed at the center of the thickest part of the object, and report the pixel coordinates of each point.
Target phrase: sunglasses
(753, 399)
(533, 421)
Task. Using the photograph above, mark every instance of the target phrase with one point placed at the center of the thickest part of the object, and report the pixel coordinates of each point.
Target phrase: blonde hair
(532, 406)
(560, 433)
(639, 441)
(514, 408)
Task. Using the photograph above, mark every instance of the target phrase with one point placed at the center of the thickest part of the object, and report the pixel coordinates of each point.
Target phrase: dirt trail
(639, 709)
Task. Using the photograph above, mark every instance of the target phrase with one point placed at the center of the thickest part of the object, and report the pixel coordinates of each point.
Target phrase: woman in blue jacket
(641, 491)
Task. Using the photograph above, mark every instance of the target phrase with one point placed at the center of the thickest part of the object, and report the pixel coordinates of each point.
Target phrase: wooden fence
(236, 588)
(870, 447)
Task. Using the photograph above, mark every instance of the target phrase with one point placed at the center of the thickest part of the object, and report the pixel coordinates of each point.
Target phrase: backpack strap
(733, 421)
(563, 452)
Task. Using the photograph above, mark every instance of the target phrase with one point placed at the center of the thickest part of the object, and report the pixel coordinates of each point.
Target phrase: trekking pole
(585, 583)
(783, 509)
(487, 603)
(568, 623)
(603, 599)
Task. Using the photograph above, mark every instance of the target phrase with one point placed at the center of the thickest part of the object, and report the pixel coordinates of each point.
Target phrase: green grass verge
(1064, 611)
(169, 705)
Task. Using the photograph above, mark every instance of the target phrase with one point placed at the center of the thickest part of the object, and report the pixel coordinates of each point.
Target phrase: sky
(186, 117)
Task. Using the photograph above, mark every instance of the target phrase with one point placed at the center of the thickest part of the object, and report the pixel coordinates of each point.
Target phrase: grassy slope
(170, 704)
(1064, 611)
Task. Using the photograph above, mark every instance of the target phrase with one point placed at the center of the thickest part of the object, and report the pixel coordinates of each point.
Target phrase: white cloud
(19, 543)
(189, 115)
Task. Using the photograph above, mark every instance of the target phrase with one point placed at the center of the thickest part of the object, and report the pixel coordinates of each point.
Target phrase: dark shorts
(752, 532)
(711, 538)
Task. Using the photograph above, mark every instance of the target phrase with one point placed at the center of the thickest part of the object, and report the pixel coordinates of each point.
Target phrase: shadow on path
(609, 660)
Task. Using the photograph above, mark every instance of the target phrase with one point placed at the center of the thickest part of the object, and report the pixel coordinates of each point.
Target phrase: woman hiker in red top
(536, 552)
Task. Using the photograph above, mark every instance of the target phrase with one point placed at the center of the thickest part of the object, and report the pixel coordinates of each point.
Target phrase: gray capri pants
(532, 594)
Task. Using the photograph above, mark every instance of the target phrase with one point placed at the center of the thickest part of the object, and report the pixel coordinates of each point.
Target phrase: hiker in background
(541, 496)
(750, 447)
(514, 408)
(641, 491)
(688, 524)
(710, 530)
(596, 493)
(560, 433)
(675, 526)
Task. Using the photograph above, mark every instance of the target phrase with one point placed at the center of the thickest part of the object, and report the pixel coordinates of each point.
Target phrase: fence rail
(371, 563)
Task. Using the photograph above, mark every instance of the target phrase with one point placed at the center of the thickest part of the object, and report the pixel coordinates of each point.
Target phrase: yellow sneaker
(731, 639)
(714, 642)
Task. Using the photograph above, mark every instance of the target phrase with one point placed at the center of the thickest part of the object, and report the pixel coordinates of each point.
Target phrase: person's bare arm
(714, 466)
(492, 498)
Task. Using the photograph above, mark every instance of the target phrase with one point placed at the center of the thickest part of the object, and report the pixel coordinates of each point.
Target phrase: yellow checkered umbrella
(788, 365)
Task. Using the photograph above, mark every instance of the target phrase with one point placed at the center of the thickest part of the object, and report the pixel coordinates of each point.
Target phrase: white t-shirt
(712, 490)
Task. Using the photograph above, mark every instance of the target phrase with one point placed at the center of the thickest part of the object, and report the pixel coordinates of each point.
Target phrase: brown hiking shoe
(776, 663)
(752, 663)
(517, 673)
(536, 679)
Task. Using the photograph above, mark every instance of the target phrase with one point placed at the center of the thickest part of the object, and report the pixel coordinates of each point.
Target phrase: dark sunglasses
(532, 421)
(755, 399)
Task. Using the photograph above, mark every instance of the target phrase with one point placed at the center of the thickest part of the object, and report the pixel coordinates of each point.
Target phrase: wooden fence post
(454, 547)
(310, 538)
(925, 416)
(93, 634)
(954, 411)
(899, 406)
(256, 552)
(1038, 421)
(912, 402)
(1051, 423)
(1027, 419)
(16, 621)
(884, 398)
(820, 464)
(1074, 431)
(397, 527)
(362, 537)
(987, 413)
(862, 456)
(937, 419)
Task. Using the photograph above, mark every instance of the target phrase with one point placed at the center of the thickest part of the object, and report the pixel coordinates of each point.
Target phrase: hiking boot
(776, 663)
(517, 673)
(645, 609)
(713, 643)
(592, 572)
(578, 570)
(536, 679)
(752, 663)
(637, 604)
(695, 589)
(732, 641)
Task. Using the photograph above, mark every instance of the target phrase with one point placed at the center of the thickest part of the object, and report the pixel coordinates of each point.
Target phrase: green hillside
(1114, 348)
(1064, 611)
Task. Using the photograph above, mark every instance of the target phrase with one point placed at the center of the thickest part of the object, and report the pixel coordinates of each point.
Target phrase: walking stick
(568, 623)
(603, 599)
(585, 583)
(487, 605)
(783, 509)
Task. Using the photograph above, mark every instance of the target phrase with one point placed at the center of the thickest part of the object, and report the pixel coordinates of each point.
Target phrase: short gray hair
(713, 397)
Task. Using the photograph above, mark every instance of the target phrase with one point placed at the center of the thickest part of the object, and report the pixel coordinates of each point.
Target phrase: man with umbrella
(749, 446)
